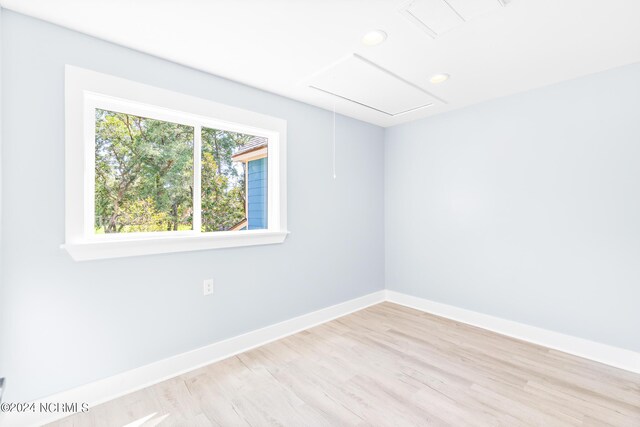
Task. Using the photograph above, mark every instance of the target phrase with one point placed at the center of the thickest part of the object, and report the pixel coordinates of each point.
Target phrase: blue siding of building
(257, 194)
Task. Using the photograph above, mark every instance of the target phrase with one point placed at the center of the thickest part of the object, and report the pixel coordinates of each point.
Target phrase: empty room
(319, 213)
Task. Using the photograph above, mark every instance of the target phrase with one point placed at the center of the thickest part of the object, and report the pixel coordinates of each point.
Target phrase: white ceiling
(308, 49)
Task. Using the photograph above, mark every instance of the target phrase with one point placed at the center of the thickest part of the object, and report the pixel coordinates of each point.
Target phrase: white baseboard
(603, 353)
(136, 379)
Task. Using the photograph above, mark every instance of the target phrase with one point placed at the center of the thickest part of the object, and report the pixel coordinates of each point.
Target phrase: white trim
(252, 155)
(136, 379)
(87, 90)
(180, 242)
(127, 382)
(603, 353)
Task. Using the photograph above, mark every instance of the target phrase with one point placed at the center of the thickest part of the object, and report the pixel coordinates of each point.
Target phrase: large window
(143, 174)
(157, 171)
(145, 180)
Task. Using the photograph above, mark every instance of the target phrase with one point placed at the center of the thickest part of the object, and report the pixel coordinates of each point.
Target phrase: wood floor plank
(387, 365)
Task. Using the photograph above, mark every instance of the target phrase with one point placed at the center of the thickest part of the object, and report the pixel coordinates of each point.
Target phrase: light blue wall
(525, 208)
(257, 194)
(71, 323)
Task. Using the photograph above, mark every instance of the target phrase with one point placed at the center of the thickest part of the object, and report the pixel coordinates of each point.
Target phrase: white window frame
(87, 90)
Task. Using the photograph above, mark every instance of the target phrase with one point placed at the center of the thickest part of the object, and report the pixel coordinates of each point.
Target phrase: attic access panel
(365, 83)
(436, 17)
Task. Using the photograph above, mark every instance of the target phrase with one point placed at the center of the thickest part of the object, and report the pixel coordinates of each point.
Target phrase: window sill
(86, 250)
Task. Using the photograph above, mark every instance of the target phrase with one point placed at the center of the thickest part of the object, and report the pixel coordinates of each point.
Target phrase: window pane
(144, 174)
(234, 181)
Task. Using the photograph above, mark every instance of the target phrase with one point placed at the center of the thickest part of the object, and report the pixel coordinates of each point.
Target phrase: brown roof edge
(250, 150)
(239, 225)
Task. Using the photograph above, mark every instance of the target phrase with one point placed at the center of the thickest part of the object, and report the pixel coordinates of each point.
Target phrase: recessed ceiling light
(374, 38)
(439, 78)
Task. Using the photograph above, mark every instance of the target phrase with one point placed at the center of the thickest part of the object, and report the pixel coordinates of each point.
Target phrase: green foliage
(223, 187)
(222, 204)
(142, 215)
(144, 176)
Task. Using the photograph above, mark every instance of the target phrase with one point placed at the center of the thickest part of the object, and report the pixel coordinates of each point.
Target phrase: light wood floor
(386, 365)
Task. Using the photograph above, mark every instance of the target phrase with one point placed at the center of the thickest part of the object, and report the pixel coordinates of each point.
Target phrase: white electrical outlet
(207, 287)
